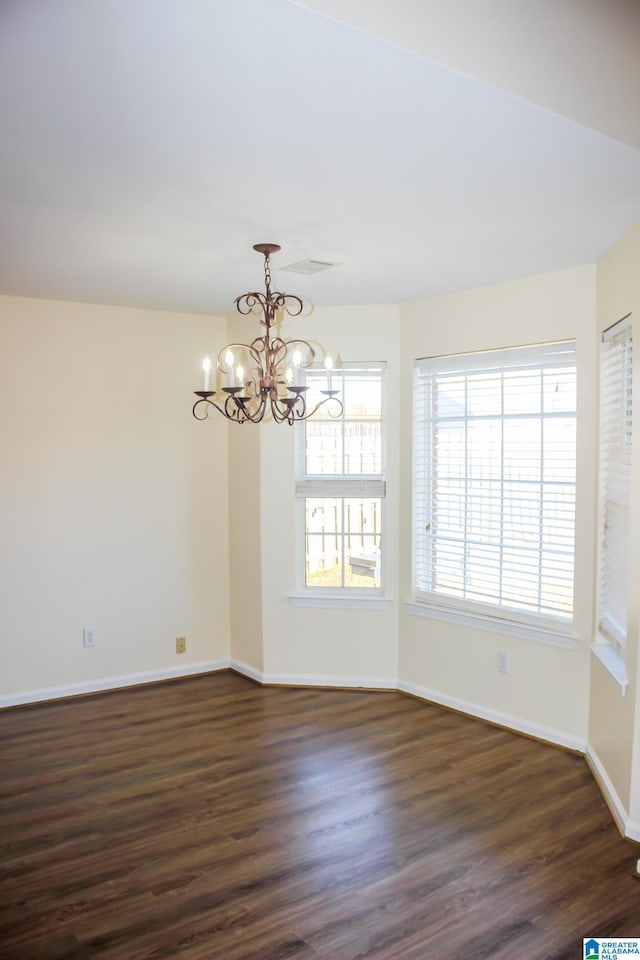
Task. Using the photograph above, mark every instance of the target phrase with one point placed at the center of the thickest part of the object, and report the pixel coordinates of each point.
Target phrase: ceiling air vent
(308, 266)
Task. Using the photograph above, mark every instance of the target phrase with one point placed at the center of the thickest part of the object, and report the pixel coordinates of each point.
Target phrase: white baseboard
(627, 827)
(537, 730)
(331, 680)
(111, 683)
(247, 670)
(314, 679)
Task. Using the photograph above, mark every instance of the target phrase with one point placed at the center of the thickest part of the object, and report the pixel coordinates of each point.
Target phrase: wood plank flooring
(210, 818)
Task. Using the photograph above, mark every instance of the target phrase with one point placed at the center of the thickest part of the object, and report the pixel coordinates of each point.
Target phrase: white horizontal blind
(615, 481)
(494, 479)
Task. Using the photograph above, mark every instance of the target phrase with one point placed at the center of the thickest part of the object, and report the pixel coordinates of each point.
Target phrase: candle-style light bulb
(229, 361)
(289, 375)
(297, 358)
(328, 365)
(206, 366)
(240, 376)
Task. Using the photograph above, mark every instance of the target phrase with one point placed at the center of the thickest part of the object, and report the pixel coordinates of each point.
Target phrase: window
(615, 483)
(494, 482)
(340, 468)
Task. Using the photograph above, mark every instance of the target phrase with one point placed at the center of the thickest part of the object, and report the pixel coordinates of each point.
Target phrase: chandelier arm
(251, 388)
(279, 409)
(258, 348)
(278, 349)
(247, 302)
(302, 401)
(254, 416)
(209, 403)
(276, 413)
(284, 417)
(335, 415)
(280, 301)
(289, 409)
(233, 410)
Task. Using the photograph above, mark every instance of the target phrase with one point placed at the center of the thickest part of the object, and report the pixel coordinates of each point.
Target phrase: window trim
(550, 632)
(356, 600)
(612, 661)
(555, 631)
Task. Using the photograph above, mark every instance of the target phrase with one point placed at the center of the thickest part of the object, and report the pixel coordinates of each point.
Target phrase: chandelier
(271, 379)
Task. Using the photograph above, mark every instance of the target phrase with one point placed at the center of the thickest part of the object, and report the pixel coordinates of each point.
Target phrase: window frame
(340, 487)
(556, 630)
(610, 645)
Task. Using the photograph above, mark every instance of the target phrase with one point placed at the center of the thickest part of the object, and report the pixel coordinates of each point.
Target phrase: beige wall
(547, 687)
(113, 498)
(245, 556)
(613, 715)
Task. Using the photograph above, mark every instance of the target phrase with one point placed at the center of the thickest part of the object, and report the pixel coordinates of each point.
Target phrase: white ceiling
(577, 58)
(147, 145)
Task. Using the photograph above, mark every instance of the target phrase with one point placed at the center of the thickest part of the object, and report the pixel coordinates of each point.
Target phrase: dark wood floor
(209, 818)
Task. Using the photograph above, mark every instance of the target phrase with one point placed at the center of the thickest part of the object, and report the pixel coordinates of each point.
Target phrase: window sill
(613, 662)
(339, 602)
(513, 628)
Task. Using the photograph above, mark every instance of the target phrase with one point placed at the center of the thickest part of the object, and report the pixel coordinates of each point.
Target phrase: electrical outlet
(181, 644)
(503, 661)
(89, 637)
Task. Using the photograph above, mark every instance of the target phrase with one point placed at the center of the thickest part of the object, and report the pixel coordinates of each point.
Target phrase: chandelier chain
(267, 275)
